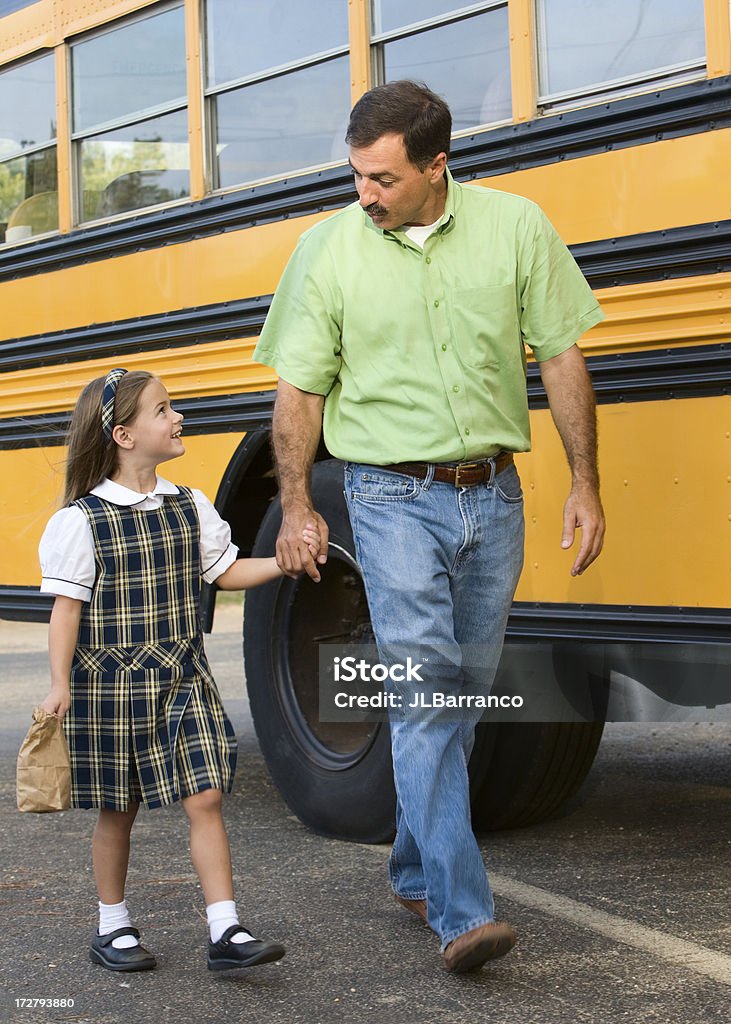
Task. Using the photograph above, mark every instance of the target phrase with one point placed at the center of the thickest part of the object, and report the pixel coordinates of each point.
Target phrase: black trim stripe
(25, 604)
(688, 251)
(528, 621)
(181, 329)
(667, 113)
(660, 255)
(214, 414)
(640, 623)
(700, 371)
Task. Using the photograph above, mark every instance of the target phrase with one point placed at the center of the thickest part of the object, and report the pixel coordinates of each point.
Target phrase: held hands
(302, 543)
(583, 509)
(312, 539)
(58, 700)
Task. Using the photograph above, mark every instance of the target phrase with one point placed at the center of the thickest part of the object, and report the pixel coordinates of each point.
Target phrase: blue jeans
(440, 566)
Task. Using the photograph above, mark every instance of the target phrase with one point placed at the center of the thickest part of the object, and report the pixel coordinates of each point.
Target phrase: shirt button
(467, 431)
(455, 387)
(428, 259)
(436, 304)
(444, 348)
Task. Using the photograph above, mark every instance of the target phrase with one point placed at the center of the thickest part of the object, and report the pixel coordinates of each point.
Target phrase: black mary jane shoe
(134, 958)
(225, 955)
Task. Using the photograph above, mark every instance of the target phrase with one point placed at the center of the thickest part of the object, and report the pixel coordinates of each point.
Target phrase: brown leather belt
(464, 474)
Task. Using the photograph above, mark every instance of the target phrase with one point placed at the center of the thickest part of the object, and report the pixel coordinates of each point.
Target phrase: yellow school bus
(158, 161)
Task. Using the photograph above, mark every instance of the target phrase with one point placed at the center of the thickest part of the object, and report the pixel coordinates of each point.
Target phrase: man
(403, 318)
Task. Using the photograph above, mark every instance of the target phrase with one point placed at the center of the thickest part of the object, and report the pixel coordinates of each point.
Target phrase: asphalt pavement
(621, 905)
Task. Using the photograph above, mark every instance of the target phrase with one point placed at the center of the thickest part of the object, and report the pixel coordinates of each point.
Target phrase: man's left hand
(583, 510)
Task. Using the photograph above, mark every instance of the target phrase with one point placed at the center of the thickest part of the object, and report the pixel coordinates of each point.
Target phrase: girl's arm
(63, 633)
(250, 572)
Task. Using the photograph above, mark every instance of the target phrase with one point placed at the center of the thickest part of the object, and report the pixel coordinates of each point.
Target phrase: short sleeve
(216, 550)
(301, 337)
(557, 304)
(66, 554)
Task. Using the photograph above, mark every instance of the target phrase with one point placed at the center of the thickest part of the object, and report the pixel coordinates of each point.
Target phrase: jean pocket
(507, 485)
(374, 485)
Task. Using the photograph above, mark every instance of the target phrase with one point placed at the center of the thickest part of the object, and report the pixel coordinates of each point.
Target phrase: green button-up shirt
(420, 353)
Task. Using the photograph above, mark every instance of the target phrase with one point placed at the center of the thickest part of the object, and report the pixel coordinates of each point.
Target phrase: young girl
(145, 722)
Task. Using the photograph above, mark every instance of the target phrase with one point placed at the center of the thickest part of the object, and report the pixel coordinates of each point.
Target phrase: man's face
(392, 190)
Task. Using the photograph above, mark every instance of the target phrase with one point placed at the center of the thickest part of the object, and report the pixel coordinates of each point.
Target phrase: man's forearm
(573, 408)
(296, 429)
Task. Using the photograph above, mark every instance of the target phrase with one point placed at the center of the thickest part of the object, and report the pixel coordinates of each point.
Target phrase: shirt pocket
(485, 322)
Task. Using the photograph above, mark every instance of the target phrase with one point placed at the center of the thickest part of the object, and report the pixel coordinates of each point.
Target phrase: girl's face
(157, 427)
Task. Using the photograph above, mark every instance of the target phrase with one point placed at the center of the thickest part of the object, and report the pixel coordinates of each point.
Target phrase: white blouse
(66, 549)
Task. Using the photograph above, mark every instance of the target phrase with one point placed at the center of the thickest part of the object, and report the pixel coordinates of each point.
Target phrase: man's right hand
(293, 554)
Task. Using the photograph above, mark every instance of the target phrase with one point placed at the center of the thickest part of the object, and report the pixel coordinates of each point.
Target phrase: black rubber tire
(520, 773)
(345, 796)
(525, 772)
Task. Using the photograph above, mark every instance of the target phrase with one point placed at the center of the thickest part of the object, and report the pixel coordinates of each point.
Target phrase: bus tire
(337, 779)
(524, 772)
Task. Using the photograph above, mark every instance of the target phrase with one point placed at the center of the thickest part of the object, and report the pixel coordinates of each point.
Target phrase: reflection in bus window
(465, 57)
(584, 46)
(278, 87)
(127, 159)
(247, 39)
(393, 14)
(284, 123)
(140, 165)
(28, 179)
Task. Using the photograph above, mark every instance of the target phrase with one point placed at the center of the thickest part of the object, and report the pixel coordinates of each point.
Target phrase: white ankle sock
(113, 916)
(221, 916)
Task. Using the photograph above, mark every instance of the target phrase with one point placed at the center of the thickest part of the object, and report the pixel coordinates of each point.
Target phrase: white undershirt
(66, 550)
(418, 233)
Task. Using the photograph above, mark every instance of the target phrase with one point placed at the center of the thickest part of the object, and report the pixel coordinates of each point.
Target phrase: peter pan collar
(117, 494)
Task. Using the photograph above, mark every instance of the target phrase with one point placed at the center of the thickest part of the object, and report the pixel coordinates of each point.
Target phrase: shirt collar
(118, 494)
(447, 219)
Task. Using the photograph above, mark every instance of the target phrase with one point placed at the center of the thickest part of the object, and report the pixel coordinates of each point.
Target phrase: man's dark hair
(403, 108)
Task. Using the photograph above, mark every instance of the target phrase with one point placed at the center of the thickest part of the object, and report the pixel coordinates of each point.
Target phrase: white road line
(688, 955)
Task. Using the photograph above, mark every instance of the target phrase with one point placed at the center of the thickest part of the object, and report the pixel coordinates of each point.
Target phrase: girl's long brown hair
(90, 458)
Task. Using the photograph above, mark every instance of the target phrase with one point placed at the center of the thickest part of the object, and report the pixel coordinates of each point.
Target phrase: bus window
(462, 52)
(8, 6)
(278, 87)
(28, 182)
(586, 47)
(130, 127)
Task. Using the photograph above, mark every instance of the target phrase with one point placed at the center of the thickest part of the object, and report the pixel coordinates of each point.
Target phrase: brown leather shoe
(473, 949)
(417, 907)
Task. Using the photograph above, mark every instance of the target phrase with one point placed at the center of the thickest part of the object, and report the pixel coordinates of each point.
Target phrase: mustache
(376, 210)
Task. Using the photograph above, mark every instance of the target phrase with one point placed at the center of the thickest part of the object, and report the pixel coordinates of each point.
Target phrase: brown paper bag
(44, 774)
